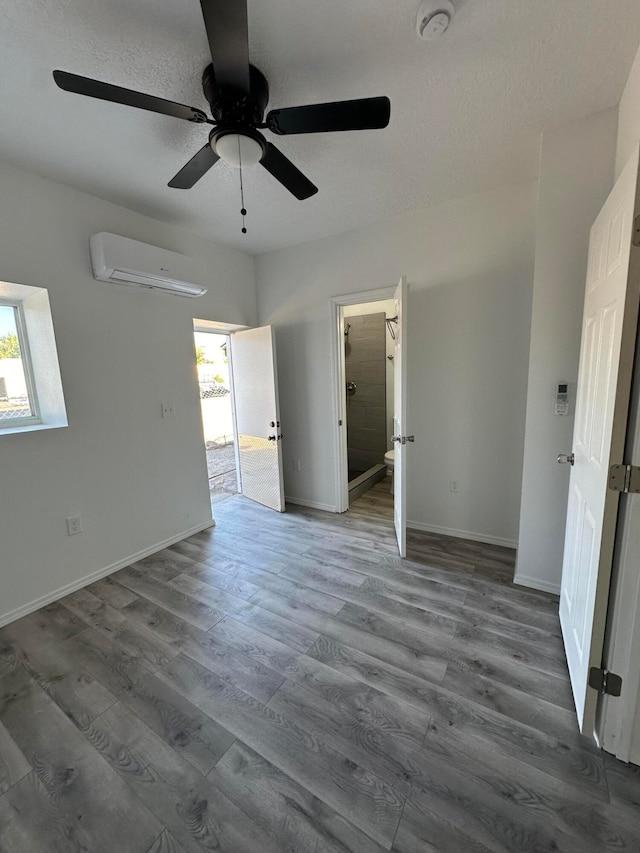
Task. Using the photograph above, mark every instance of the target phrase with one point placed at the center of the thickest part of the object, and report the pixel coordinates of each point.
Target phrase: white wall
(576, 175)
(469, 264)
(137, 480)
(628, 118)
(386, 305)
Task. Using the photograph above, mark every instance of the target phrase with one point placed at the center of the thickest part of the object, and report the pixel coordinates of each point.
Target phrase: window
(18, 402)
(31, 396)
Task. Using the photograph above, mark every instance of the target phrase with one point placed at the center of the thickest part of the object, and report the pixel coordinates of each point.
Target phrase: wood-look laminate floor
(286, 683)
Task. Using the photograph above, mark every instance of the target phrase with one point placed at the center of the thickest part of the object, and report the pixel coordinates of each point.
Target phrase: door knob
(403, 439)
(271, 437)
(563, 458)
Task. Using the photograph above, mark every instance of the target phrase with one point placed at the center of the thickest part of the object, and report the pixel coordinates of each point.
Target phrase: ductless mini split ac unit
(126, 261)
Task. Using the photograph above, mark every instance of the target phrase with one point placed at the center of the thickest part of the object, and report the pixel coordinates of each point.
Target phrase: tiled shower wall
(365, 361)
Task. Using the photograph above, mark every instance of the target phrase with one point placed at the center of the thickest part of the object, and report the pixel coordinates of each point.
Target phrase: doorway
(238, 384)
(368, 337)
(218, 414)
(369, 395)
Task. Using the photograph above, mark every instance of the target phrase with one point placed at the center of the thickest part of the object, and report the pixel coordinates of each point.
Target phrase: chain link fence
(14, 408)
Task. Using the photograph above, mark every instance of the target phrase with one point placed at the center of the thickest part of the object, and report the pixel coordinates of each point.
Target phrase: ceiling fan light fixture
(237, 149)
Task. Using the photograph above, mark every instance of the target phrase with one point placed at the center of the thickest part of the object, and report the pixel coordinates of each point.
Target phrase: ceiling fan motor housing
(233, 109)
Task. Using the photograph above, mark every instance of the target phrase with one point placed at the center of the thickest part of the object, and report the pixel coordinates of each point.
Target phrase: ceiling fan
(238, 95)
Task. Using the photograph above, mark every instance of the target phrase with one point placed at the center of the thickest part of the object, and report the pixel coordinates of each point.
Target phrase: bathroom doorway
(369, 335)
(367, 374)
(390, 456)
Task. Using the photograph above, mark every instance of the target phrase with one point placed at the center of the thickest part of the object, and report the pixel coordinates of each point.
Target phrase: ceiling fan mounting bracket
(231, 108)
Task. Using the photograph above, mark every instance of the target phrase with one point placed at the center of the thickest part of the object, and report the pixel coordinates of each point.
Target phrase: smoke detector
(434, 18)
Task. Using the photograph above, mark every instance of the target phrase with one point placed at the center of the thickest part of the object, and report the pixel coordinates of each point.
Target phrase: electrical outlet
(295, 465)
(168, 410)
(454, 486)
(74, 525)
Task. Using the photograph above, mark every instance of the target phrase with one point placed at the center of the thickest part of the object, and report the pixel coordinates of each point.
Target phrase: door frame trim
(338, 381)
(234, 421)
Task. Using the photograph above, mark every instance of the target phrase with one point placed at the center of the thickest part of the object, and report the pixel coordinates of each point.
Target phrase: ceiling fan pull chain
(243, 210)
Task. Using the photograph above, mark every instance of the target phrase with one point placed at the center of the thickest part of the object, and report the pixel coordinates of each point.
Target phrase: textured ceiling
(466, 111)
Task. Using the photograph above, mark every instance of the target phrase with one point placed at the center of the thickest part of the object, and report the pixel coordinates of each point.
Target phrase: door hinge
(605, 682)
(625, 478)
(636, 231)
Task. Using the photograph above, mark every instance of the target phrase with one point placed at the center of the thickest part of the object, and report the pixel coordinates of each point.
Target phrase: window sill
(29, 428)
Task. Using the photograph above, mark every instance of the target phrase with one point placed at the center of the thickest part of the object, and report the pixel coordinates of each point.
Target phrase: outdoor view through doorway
(212, 359)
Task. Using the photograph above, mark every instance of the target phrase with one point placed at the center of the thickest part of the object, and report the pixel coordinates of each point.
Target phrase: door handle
(271, 437)
(396, 438)
(563, 458)
(403, 439)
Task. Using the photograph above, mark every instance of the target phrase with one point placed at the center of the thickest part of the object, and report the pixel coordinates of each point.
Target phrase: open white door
(400, 420)
(604, 382)
(619, 716)
(255, 383)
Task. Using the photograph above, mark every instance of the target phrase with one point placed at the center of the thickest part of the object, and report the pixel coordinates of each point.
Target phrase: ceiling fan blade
(118, 95)
(191, 173)
(227, 30)
(361, 114)
(289, 175)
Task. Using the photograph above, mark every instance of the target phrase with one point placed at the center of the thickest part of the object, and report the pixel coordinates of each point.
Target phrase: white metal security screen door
(400, 420)
(604, 381)
(253, 361)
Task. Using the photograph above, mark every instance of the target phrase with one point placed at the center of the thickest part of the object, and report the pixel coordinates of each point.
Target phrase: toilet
(389, 461)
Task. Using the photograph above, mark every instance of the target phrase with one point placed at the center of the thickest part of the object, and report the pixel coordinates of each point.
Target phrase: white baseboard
(536, 583)
(310, 504)
(6, 618)
(463, 534)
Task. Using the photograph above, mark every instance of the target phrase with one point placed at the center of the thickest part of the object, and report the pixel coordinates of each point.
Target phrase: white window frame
(36, 336)
(27, 367)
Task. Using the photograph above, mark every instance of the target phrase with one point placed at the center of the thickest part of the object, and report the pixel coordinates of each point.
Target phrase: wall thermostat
(561, 406)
